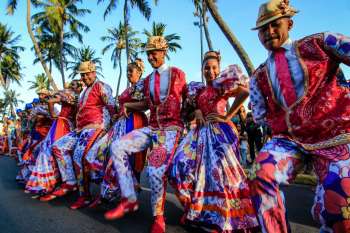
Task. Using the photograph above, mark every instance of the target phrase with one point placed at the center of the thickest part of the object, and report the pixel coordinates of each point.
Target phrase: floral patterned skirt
(210, 182)
(45, 173)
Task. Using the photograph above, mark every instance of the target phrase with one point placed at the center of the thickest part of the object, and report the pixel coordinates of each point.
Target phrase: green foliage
(141, 5)
(11, 102)
(41, 82)
(50, 48)
(85, 53)
(10, 68)
(116, 39)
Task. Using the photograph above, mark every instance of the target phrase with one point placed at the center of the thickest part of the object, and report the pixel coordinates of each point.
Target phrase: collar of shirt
(287, 45)
(162, 68)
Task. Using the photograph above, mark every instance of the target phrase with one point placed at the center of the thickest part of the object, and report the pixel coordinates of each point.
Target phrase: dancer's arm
(51, 105)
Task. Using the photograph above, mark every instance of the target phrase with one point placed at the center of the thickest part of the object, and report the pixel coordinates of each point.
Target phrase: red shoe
(124, 207)
(158, 225)
(47, 197)
(64, 189)
(81, 203)
(96, 202)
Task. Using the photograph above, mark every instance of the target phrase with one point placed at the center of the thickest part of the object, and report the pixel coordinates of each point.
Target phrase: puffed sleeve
(40, 110)
(138, 91)
(193, 89)
(338, 45)
(107, 98)
(229, 80)
(68, 96)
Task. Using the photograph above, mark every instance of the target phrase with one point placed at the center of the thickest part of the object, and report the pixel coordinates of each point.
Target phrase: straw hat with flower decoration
(273, 10)
(156, 43)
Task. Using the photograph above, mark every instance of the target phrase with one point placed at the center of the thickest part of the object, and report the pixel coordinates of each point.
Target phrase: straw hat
(86, 67)
(156, 43)
(273, 10)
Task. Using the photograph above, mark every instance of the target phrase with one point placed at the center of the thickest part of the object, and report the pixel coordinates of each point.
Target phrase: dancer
(95, 108)
(25, 131)
(98, 156)
(45, 174)
(165, 90)
(206, 172)
(40, 123)
(301, 93)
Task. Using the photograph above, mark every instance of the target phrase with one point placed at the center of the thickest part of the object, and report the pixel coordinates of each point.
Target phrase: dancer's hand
(217, 118)
(124, 110)
(199, 117)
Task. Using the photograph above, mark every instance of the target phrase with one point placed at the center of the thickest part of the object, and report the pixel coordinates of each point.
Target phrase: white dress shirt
(295, 70)
(164, 81)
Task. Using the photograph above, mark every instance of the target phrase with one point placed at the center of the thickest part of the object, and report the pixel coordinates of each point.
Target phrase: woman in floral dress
(206, 173)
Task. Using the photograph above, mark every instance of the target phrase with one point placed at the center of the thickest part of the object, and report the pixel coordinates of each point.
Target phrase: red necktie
(284, 77)
(156, 88)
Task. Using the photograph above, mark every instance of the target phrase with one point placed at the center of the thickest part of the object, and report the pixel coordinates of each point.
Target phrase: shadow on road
(20, 213)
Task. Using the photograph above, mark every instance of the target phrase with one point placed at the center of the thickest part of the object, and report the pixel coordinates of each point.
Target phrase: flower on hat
(86, 67)
(156, 43)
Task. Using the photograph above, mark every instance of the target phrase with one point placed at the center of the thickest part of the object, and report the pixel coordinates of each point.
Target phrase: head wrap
(28, 106)
(36, 101)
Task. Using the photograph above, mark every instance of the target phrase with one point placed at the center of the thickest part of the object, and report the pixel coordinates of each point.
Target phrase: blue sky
(314, 16)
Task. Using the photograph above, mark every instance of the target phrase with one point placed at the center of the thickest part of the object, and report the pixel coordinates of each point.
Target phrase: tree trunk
(50, 66)
(120, 76)
(61, 56)
(205, 26)
(12, 110)
(37, 49)
(231, 37)
(126, 25)
(2, 81)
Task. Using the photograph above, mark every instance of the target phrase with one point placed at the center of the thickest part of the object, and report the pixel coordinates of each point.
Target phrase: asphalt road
(19, 213)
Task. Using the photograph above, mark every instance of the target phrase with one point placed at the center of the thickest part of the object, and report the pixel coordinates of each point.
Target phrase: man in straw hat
(301, 93)
(95, 108)
(164, 90)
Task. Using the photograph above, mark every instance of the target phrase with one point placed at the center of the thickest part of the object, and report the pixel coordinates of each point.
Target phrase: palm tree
(158, 29)
(47, 42)
(85, 53)
(11, 7)
(11, 101)
(9, 58)
(143, 7)
(41, 82)
(116, 39)
(201, 11)
(56, 16)
(230, 36)
(10, 71)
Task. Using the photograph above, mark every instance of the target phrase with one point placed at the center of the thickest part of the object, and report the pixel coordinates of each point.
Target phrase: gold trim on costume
(169, 128)
(336, 141)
